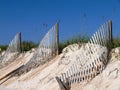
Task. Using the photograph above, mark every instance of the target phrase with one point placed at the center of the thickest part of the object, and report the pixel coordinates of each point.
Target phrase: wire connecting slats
(45, 51)
(12, 51)
(91, 60)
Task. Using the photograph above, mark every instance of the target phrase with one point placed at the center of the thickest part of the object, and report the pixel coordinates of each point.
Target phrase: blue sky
(33, 18)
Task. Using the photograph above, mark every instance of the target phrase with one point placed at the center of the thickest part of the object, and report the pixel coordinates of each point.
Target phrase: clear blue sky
(34, 17)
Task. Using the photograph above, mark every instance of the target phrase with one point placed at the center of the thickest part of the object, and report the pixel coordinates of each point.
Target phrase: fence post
(20, 42)
(110, 34)
(57, 38)
(110, 30)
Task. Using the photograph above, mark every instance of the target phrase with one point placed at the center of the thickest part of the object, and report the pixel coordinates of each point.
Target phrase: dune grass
(28, 45)
(75, 39)
(116, 42)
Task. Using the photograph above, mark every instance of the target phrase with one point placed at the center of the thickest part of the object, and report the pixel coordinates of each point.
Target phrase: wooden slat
(11, 67)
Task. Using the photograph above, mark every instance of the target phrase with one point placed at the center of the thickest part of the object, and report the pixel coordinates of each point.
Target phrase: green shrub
(116, 42)
(28, 45)
(75, 39)
(84, 39)
(3, 47)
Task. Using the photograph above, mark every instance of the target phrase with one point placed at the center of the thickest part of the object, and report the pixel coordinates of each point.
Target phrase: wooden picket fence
(47, 49)
(13, 50)
(91, 60)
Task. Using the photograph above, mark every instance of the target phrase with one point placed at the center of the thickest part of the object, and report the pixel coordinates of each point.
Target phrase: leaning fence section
(47, 49)
(92, 58)
(14, 48)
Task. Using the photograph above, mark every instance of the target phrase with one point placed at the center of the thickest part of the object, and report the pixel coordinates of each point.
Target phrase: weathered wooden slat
(92, 58)
(11, 67)
(13, 50)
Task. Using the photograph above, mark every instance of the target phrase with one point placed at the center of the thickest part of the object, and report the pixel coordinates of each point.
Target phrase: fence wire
(12, 51)
(91, 60)
(45, 51)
